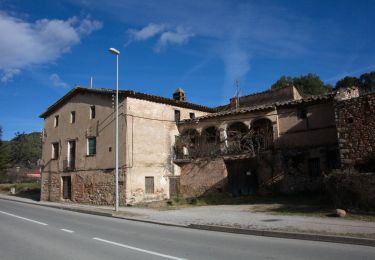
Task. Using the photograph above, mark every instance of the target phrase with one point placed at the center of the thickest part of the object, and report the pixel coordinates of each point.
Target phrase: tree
(26, 149)
(284, 81)
(347, 82)
(4, 157)
(309, 84)
(367, 80)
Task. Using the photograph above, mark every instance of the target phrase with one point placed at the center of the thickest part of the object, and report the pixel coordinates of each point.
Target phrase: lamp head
(114, 51)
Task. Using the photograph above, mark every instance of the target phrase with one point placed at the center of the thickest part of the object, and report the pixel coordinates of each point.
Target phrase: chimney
(179, 95)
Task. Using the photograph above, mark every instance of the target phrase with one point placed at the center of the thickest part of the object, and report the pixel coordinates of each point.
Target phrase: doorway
(67, 187)
(242, 177)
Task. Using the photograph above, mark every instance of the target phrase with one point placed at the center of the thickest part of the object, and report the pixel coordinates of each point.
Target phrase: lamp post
(117, 53)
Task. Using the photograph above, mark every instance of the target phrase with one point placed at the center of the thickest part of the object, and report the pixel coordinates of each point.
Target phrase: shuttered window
(91, 146)
(149, 183)
(55, 150)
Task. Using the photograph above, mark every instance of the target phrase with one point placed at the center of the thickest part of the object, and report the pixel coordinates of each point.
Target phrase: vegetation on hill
(23, 150)
(311, 84)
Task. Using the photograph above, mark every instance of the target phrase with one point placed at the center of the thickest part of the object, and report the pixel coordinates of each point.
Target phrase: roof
(243, 110)
(123, 93)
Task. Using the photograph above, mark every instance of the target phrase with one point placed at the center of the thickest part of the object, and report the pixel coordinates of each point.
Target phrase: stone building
(273, 141)
(79, 145)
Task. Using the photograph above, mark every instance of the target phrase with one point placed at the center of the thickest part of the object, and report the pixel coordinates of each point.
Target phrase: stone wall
(355, 121)
(91, 187)
(203, 176)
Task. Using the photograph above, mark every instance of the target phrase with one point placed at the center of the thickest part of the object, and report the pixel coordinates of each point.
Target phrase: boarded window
(92, 112)
(55, 150)
(192, 115)
(72, 117)
(91, 146)
(56, 122)
(177, 115)
(314, 167)
(149, 185)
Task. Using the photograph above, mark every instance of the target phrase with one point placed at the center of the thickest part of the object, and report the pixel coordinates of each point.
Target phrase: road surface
(33, 232)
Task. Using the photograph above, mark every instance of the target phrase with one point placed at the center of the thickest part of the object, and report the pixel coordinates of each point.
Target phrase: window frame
(55, 152)
(148, 189)
(56, 121)
(73, 117)
(88, 146)
(177, 115)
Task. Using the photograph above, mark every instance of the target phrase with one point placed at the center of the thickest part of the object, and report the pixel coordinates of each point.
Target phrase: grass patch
(26, 190)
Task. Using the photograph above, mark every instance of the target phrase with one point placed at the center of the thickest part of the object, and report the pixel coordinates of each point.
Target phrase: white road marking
(31, 220)
(67, 230)
(137, 249)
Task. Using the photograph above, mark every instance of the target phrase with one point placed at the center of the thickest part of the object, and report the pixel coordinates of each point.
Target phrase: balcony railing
(68, 165)
(249, 144)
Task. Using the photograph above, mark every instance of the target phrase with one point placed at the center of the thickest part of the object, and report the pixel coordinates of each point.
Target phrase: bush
(351, 190)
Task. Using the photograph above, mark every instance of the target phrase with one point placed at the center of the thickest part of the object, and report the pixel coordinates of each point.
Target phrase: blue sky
(48, 47)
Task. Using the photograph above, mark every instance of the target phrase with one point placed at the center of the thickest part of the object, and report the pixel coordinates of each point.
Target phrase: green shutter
(92, 145)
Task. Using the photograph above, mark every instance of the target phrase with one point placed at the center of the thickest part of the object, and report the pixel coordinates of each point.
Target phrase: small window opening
(177, 115)
(302, 113)
(56, 122)
(92, 112)
(72, 117)
(192, 115)
(350, 120)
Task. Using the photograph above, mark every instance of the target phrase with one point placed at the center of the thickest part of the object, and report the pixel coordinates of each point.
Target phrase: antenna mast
(238, 89)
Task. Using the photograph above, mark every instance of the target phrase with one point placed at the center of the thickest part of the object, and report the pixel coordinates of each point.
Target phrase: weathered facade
(279, 145)
(274, 141)
(79, 146)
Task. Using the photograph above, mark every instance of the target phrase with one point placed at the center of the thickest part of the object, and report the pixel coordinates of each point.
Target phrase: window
(314, 167)
(72, 117)
(177, 115)
(302, 113)
(192, 115)
(149, 185)
(55, 150)
(56, 122)
(91, 146)
(92, 112)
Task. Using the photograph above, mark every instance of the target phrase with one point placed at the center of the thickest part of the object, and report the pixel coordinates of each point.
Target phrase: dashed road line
(137, 249)
(66, 230)
(27, 219)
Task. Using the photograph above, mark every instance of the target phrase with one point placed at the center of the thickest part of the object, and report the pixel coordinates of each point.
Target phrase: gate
(174, 186)
(242, 177)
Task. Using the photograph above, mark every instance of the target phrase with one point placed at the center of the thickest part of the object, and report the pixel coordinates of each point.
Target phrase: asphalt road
(34, 232)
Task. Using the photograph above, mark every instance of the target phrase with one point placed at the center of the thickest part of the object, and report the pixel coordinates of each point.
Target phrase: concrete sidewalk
(235, 219)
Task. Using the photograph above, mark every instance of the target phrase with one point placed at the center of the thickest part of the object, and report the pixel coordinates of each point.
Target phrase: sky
(49, 47)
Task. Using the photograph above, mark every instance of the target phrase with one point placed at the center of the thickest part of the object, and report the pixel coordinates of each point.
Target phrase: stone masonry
(355, 121)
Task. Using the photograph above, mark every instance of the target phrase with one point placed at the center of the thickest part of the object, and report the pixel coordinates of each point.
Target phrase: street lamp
(117, 53)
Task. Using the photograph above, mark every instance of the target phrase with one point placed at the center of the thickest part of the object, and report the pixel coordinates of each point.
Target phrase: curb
(288, 235)
(253, 232)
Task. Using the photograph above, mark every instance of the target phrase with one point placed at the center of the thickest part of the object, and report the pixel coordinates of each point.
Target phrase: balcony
(68, 165)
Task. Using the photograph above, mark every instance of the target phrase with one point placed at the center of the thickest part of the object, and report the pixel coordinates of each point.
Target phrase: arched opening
(210, 141)
(262, 134)
(187, 144)
(237, 134)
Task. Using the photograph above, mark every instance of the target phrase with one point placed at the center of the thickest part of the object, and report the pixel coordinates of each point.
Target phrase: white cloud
(40, 42)
(8, 74)
(147, 32)
(180, 36)
(167, 35)
(57, 82)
